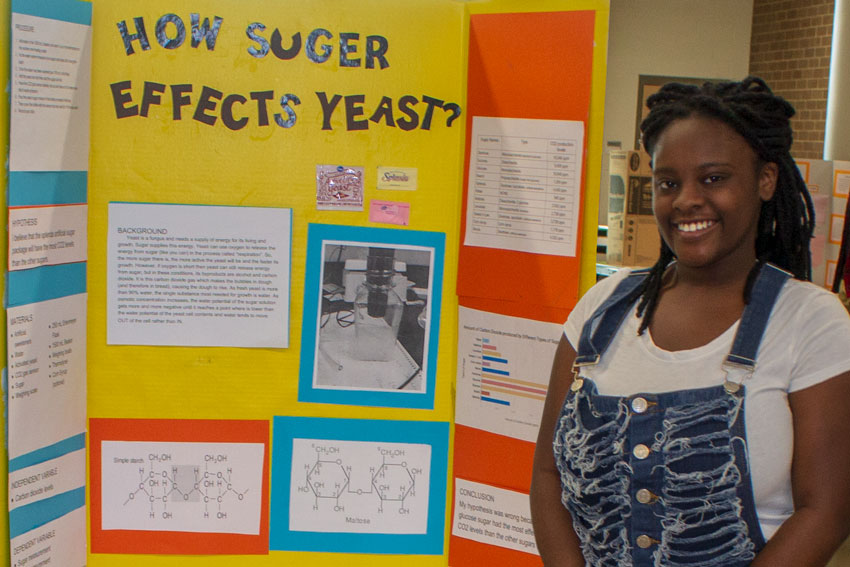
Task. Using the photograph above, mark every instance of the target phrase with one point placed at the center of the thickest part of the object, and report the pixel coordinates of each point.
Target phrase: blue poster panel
(358, 486)
(371, 316)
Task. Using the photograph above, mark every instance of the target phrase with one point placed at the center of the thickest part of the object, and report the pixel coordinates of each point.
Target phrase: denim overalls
(662, 479)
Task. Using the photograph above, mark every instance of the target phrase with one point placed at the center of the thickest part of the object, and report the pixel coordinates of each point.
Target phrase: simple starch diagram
(165, 482)
(195, 487)
(359, 486)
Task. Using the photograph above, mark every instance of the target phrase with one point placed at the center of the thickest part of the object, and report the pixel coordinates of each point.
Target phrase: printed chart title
(209, 105)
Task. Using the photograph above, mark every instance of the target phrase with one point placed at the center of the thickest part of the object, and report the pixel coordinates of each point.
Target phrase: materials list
(47, 364)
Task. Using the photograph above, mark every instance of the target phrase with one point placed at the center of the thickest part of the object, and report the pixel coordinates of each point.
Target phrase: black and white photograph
(373, 316)
(373, 310)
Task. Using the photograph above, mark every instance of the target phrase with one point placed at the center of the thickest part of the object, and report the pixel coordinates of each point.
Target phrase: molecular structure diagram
(329, 479)
(210, 484)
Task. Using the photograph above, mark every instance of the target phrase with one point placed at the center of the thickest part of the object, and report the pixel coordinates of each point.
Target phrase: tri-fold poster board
(284, 282)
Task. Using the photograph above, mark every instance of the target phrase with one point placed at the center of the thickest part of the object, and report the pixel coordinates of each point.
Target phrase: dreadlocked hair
(787, 220)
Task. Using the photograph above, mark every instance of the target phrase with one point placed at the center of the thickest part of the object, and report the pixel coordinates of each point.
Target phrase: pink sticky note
(389, 212)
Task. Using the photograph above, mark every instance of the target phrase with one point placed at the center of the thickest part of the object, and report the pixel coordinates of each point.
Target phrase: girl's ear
(767, 176)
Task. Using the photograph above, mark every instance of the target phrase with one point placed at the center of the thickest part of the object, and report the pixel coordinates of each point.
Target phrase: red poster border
(178, 430)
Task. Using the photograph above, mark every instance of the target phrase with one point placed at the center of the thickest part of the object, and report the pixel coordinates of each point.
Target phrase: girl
(698, 409)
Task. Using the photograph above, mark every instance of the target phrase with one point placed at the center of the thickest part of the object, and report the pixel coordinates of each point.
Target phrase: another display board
(45, 283)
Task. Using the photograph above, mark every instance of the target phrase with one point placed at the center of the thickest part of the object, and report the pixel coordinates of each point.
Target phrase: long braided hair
(762, 118)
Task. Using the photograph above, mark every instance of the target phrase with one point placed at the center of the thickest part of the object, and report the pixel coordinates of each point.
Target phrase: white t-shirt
(807, 341)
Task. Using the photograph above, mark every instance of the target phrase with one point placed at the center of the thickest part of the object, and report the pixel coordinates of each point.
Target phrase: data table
(524, 185)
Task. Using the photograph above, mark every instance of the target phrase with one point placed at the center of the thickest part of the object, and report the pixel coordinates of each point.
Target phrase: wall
(682, 38)
(791, 45)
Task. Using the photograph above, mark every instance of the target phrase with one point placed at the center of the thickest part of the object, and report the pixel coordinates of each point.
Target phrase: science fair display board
(261, 271)
(45, 283)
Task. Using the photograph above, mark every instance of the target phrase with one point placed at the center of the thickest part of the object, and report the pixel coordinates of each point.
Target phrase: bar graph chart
(496, 384)
(503, 372)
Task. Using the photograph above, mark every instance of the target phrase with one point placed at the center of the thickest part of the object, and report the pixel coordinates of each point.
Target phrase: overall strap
(763, 295)
(600, 328)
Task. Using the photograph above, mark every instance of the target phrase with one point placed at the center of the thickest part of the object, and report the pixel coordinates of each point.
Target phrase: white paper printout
(503, 372)
(47, 235)
(835, 223)
(494, 516)
(59, 542)
(359, 487)
(822, 201)
(62, 474)
(184, 487)
(49, 114)
(842, 180)
(198, 275)
(525, 185)
(47, 372)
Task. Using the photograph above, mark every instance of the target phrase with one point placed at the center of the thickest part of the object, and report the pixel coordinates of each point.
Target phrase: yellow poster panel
(244, 122)
(246, 104)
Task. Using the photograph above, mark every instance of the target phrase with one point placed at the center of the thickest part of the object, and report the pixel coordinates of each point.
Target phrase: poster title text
(235, 111)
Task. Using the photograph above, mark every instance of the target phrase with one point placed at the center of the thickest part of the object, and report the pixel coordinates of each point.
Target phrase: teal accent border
(31, 516)
(45, 283)
(74, 11)
(316, 235)
(69, 445)
(432, 433)
(30, 188)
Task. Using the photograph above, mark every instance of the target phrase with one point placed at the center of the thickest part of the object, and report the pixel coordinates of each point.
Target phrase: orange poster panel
(491, 458)
(548, 313)
(530, 66)
(499, 461)
(204, 486)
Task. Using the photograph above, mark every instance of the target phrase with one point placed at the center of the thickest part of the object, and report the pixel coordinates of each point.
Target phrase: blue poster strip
(30, 188)
(356, 540)
(69, 445)
(319, 312)
(42, 284)
(31, 516)
(75, 11)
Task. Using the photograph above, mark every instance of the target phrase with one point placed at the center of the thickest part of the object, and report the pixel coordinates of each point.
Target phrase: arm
(553, 528)
(820, 478)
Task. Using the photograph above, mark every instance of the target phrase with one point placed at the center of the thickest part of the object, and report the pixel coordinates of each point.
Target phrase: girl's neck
(726, 276)
(695, 306)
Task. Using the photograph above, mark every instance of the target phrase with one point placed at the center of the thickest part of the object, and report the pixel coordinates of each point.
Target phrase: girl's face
(708, 186)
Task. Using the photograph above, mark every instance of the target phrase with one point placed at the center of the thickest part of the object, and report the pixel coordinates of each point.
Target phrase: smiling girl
(696, 412)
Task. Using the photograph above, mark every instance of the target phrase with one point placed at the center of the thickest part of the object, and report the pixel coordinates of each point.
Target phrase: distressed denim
(662, 479)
